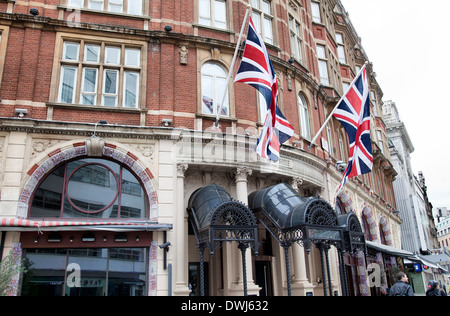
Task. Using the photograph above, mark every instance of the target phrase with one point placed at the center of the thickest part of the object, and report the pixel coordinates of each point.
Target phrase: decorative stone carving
(289, 80)
(184, 51)
(296, 183)
(181, 170)
(95, 146)
(241, 173)
(147, 151)
(40, 145)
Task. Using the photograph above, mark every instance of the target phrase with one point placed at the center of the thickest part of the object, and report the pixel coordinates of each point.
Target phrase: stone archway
(386, 231)
(346, 201)
(367, 213)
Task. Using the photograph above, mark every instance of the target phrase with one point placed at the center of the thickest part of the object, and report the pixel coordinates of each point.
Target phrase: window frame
(323, 65)
(95, 258)
(217, 93)
(295, 38)
(212, 19)
(315, 12)
(67, 200)
(330, 139)
(83, 42)
(341, 48)
(342, 146)
(264, 16)
(127, 7)
(304, 116)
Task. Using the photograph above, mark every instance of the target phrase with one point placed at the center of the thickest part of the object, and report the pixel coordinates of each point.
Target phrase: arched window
(340, 208)
(214, 80)
(367, 233)
(304, 117)
(341, 146)
(330, 139)
(384, 240)
(90, 188)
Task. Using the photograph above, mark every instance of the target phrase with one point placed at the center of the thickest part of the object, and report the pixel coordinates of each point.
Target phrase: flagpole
(249, 8)
(334, 110)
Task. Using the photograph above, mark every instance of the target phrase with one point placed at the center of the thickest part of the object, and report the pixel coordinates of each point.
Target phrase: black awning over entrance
(353, 233)
(291, 218)
(216, 218)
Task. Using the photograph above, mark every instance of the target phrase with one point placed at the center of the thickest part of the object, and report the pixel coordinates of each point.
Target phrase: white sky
(406, 40)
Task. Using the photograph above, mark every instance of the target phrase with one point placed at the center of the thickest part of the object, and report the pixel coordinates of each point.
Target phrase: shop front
(86, 225)
(86, 264)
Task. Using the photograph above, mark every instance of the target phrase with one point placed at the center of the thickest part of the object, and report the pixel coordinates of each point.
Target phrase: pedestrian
(444, 291)
(433, 289)
(401, 288)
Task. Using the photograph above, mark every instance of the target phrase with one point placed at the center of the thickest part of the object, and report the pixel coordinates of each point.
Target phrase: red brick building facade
(146, 74)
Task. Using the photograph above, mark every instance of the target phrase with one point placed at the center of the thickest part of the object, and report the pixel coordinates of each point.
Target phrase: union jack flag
(256, 70)
(354, 114)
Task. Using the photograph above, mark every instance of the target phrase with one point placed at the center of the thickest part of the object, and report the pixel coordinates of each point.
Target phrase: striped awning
(17, 224)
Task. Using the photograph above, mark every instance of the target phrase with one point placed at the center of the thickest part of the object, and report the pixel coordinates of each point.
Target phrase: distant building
(443, 232)
(418, 230)
(440, 213)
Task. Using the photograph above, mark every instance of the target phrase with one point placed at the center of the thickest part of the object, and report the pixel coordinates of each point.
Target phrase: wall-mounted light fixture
(341, 165)
(168, 28)
(166, 122)
(21, 112)
(165, 246)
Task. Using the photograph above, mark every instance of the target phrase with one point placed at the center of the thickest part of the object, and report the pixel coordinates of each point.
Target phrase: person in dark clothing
(433, 289)
(401, 288)
(443, 291)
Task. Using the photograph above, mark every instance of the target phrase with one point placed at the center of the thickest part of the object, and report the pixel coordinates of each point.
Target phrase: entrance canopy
(291, 218)
(353, 233)
(216, 218)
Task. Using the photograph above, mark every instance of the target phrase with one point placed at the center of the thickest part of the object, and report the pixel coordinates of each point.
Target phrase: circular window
(92, 201)
(90, 188)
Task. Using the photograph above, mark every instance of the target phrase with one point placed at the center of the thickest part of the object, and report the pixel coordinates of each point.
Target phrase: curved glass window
(89, 188)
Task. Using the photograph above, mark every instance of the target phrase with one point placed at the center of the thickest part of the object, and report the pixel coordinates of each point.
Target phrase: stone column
(181, 217)
(300, 282)
(241, 175)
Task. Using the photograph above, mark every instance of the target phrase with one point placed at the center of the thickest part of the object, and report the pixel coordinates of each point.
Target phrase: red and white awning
(17, 224)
